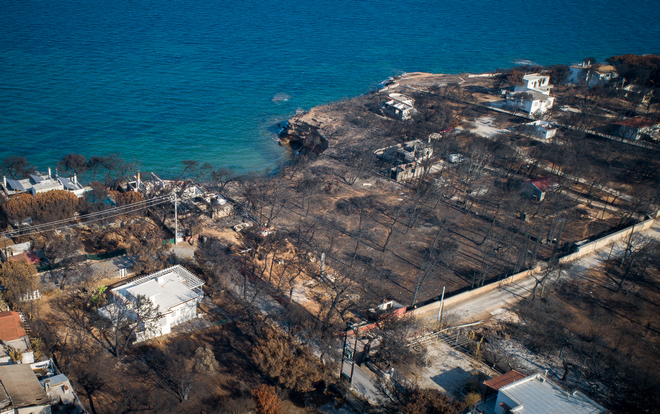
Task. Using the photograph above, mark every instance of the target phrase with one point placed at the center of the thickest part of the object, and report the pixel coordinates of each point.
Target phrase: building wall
(501, 398)
(40, 409)
(530, 190)
(182, 313)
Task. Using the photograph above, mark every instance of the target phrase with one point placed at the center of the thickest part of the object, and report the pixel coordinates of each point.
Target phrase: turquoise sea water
(171, 80)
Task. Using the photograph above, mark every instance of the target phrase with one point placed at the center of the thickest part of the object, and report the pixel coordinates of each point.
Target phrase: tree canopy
(640, 69)
(55, 205)
(20, 207)
(16, 167)
(19, 278)
(73, 163)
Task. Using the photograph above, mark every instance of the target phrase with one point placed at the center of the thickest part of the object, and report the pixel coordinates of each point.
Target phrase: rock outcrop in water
(304, 136)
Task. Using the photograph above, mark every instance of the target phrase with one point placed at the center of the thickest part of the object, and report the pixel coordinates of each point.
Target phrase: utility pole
(355, 331)
(442, 303)
(176, 222)
(343, 353)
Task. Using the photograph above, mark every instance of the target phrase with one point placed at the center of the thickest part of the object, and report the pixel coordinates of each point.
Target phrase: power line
(93, 217)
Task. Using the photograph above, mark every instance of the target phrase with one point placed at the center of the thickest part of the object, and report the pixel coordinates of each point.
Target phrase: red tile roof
(506, 379)
(31, 257)
(543, 184)
(11, 327)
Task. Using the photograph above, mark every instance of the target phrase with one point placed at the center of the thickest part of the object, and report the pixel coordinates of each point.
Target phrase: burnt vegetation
(333, 235)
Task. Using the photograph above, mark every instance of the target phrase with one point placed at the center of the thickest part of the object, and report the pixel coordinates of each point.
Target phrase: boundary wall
(591, 247)
(583, 250)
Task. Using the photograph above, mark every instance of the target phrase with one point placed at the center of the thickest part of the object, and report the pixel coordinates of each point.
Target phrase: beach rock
(303, 136)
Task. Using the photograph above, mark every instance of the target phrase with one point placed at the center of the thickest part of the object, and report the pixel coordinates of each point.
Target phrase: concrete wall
(582, 251)
(433, 307)
(587, 248)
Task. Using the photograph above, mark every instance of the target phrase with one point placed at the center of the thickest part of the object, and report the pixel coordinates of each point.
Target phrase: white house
(534, 83)
(541, 129)
(535, 394)
(174, 291)
(533, 96)
(400, 105)
(42, 183)
(601, 74)
(592, 75)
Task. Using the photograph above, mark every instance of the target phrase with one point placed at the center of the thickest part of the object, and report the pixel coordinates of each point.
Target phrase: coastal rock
(304, 136)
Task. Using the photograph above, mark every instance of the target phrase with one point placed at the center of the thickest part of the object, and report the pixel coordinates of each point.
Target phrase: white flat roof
(166, 289)
(534, 76)
(539, 396)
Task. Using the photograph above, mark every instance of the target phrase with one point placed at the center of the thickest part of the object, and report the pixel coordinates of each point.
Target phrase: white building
(535, 394)
(541, 129)
(533, 96)
(592, 75)
(534, 83)
(174, 291)
(42, 183)
(400, 105)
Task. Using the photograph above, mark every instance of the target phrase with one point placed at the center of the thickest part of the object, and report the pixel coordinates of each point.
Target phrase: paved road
(362, 382)
(482, 307)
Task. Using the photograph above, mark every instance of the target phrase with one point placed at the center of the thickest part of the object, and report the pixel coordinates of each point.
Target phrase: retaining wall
(582, 251)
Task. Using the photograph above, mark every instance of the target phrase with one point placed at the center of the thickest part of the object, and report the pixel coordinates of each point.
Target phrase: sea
(172, 80)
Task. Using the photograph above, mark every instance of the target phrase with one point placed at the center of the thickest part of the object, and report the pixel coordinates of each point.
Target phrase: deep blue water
(170, 80)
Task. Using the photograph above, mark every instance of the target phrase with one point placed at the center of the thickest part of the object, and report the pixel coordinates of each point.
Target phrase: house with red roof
(537, 188)
(13, 337)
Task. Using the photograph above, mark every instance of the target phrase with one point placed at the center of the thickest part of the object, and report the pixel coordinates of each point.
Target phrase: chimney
(56, 174)
(4, 178)
(138, 181)
(48, 172)
(75, 178)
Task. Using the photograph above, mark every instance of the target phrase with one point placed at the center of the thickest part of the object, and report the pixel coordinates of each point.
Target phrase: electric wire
(88, 218)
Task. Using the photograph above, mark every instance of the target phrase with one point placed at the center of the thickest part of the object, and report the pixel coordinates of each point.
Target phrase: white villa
(42, 183)
(535, 83)
(400, 105)
(175, 291)
(537, 94)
